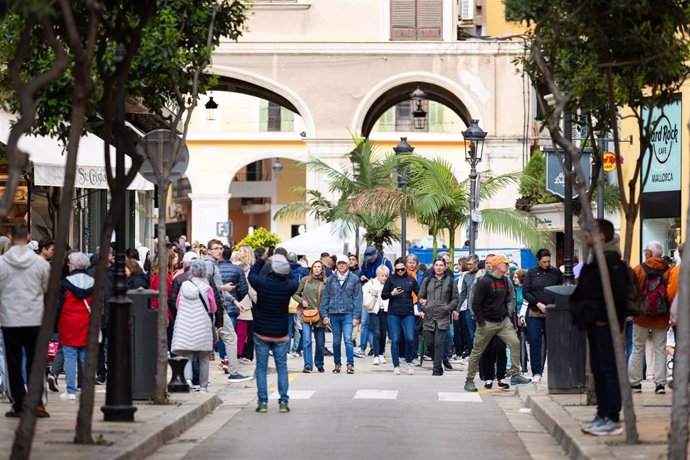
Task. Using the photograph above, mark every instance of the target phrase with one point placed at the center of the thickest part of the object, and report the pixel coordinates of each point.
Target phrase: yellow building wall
(291, 176)
(496, 23)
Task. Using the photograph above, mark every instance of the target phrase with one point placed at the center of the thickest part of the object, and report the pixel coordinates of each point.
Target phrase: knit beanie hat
(280, 265)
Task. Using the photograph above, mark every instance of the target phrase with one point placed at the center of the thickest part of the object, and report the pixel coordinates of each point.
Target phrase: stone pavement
(153, 425)
(562, 415)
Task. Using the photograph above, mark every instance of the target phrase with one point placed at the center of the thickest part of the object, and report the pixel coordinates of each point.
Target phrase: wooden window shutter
(429, 19)
(403, 20)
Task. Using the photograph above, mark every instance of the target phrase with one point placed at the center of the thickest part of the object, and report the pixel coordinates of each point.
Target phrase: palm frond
(292, 211)
(521, 226)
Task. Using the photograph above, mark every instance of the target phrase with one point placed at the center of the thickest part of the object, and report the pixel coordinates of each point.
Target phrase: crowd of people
(248, 304)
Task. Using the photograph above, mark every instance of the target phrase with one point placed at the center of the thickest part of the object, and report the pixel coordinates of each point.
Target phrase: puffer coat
(193, 324)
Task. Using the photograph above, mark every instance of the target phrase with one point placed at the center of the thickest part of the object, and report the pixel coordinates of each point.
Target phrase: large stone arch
(397, 89)
(242, 81)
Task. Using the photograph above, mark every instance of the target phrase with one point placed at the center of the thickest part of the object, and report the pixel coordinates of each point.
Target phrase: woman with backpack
(308, 298)
(193, 333)
(438, 297)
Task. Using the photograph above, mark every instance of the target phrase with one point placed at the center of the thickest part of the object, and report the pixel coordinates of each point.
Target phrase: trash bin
(567, 346)
(144, 337)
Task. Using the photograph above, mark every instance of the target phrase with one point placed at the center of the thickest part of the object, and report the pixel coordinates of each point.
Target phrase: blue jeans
(628, 340)
(365, 335)
(375, 329)
(280, 350)
(396, 324)
(341, 325)
(535, 328)
(471, 327)
(71, 355)
(320, 336)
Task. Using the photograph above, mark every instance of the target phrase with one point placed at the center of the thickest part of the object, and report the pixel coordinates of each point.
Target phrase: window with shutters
(274, 118)
(416, 20)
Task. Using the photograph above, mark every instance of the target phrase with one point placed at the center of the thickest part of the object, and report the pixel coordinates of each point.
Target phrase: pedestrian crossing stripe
(294, 394)
(376, 394)
(459, 397)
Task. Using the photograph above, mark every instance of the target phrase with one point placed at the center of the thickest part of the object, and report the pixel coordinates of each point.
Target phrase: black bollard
(178, 384)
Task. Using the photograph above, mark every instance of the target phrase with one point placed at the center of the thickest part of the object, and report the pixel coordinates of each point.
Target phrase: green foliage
(173, 46)
(261, 238)
(533, 182)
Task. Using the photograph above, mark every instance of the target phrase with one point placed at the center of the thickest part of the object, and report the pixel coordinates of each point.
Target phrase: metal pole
(568, 276)
(118, 396)
(403, 226)
(600, 183)
(473, 203)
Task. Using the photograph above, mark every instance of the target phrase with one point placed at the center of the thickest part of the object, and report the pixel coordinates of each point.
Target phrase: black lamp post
(403, 148)
(211, 107)
(568, 245)
(118, 395)
(418, 114)
(474, 148)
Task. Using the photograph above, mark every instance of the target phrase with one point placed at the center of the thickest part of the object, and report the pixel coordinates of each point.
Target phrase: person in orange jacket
(644, 326)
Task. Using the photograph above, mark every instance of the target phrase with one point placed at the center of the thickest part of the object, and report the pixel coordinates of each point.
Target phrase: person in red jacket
(74, 310)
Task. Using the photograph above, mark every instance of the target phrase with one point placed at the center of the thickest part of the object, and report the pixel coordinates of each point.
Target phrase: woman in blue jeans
(308, 296)
(537, 297)
(376, 307)
(398, 291)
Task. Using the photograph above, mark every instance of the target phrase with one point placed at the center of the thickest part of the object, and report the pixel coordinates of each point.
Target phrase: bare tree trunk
(161, 395)
(678, 434)
(21, 448)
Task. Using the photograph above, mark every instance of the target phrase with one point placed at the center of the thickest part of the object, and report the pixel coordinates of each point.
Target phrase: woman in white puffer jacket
(193, 333)
(377, 308)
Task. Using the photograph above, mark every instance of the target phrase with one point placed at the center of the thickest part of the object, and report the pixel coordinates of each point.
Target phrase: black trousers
(18, 339)
(435, 342)
(494, 360)
(603, 363)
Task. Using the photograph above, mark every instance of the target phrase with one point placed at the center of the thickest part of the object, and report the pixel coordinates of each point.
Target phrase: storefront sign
(85, 177)
(555, 177)
(609, 161)
(664, 173)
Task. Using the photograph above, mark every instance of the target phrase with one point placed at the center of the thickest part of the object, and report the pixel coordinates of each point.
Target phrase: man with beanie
(274, 291)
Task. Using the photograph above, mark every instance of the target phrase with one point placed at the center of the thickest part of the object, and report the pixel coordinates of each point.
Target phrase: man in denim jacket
(341, 307)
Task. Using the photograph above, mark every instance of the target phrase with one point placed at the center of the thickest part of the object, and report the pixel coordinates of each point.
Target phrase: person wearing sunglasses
(398, 291)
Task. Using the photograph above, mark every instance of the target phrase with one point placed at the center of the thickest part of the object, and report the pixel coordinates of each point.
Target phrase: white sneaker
(396, 370)
(68, 396)
(382, 360)
(410, 369)
(376, 361)
(536, 378)
(463, 361)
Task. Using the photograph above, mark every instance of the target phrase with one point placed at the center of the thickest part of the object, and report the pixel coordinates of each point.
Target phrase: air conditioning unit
(466, 13)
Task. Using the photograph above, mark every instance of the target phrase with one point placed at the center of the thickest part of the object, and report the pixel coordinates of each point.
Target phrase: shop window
(665, 230)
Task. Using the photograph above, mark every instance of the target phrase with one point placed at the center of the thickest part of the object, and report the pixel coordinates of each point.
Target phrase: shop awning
(48, 156)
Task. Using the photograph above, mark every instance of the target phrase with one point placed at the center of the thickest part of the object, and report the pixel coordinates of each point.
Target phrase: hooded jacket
(401, 304)
(442, 298)
(193, 324)
(74, 308)
(273, 293)
(534, 288)
(23, 282)
(660, 265)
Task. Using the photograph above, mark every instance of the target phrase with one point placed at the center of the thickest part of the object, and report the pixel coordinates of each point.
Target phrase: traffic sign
(159, 148)
(224, 229)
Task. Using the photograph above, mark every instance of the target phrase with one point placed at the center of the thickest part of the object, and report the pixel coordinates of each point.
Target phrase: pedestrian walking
(74, 313)
(535, 293)
(23, 283)
(490, 304)
(465, 286)
(341, 308)
(521, 311)
(377, 308)
(274, 290)
(193, 333)
(308, 298)
(588, 309)
(438, 297)
(652, 277)
(398, 291)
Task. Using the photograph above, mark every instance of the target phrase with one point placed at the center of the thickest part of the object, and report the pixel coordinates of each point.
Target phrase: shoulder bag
(311, 315)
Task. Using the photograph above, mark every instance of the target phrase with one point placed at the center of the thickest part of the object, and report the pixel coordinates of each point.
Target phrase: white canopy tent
(325, 238)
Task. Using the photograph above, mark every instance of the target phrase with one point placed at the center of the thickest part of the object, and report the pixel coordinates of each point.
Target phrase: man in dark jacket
(373, 259)
(465, 288)
(589, 313)
(490, 304)
(273, 292)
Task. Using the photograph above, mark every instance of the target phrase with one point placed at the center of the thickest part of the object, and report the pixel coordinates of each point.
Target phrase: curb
(156, 433)
(565, 430)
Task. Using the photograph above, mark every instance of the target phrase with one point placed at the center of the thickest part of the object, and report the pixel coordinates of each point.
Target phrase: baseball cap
(189, 256)
(500, 259)
(342, 258)
(370, 251)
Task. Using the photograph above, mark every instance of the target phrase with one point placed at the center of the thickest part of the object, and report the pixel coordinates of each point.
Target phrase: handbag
(311, 315)
(292, 307)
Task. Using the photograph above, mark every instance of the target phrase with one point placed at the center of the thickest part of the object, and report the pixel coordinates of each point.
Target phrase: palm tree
(437, 199)
(368, 170)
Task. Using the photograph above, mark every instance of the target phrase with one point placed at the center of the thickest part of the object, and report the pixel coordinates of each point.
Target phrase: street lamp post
(474, 148)
(419, 115)
(568, 275)
(403, 148)
(118, 395)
